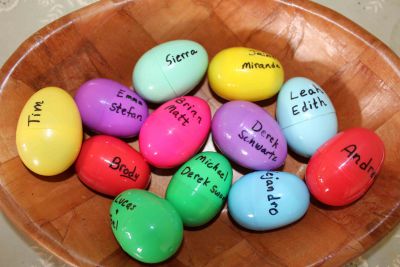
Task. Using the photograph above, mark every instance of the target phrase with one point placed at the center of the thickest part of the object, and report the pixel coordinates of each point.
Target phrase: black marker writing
(117, 164)
(34, 117)
(179, 57)
(351, 151)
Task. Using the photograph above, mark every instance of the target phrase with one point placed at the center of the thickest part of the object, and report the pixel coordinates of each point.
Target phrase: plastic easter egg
(199, 188)
(170, 70)
(265, 200)
(146, 226)
(175, 131)
(49, 132)
(249, 136)
(345, 167)
(240, 73)
(108, 107)
(111, 166)
(306, 115)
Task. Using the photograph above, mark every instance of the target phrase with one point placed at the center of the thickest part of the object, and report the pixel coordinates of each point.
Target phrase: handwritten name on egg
(352, 153)
(184, 112)
(253, 52)
(200, 187)
(110, 166)
(175, 131)
(169, 70)
(306, 115)
(258, 128)
(136, 215)
(37, 112)
(269, 182)
(209, 163)
(116, 164)
(315, 103)
(257, 65)
(250, 137)
(265, 200)
(205, 181)
(108, 107)
(49, 132)
(240, 73)
(344, 168)
(125, 203)
(129, 111)
(170, 59)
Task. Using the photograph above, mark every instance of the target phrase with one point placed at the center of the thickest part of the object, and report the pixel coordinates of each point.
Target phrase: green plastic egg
(146, 226)
(199, 188)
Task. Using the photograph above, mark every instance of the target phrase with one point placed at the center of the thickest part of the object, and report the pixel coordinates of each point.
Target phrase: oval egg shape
(344, 168)
(49, 132)
(240, 73)
(265, 200)
(249, 136)
(108, 107)
(306, 115)
(146, 226)
(170, 70)
(199, 188)
(175, 131)
(111, 166)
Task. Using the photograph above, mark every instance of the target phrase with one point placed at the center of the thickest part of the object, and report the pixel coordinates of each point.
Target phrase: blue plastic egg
(266, 200)
(306, 115)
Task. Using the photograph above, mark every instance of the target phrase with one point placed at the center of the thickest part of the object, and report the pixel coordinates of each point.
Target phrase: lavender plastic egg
(108, 107)
(249, 136)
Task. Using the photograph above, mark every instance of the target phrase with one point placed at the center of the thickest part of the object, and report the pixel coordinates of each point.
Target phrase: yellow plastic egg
(49, 132)
(241, 73)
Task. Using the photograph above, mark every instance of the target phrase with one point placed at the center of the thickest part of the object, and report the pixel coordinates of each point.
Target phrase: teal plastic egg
(266, 200)
(306, 115)
(170, 70)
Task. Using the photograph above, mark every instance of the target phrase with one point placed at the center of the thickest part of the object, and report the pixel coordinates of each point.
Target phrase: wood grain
(360, 74)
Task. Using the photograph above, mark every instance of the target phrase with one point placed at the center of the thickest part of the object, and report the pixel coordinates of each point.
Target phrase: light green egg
(169, 70)
(199, 189)
(146, 226)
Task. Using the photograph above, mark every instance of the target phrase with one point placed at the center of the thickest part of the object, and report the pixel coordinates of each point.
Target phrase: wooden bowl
(360, 74)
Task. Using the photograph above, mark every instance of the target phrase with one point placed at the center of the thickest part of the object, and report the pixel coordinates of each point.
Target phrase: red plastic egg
(344, 168)
(111, 166)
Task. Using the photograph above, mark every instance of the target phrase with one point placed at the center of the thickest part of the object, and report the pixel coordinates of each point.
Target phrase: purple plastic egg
(108, 107)
(249, 136)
